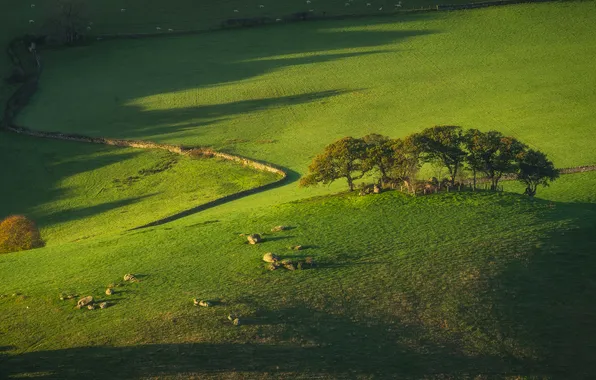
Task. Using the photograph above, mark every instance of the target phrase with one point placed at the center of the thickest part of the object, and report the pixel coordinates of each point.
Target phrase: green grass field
(453, 285)
(446, 286)
(77, 191)
(304, 85)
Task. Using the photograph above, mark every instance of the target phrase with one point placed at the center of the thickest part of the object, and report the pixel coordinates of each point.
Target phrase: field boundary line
(23, 94)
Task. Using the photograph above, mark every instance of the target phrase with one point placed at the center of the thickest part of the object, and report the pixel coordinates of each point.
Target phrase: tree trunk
(350, 182)
(474, 174)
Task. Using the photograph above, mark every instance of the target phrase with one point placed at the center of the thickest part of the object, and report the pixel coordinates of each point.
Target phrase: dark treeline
(396, 162)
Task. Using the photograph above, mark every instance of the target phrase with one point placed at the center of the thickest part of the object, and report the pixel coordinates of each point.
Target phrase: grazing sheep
(170, 30)
(236, 11)
(277, 19)
(307, 1)
(32, 5)
(31, 21)
(368, 4)
(158, 28)
(311, 10)
(88, 28)
(123, 10)
(381, 8)
(347, 4)
(398, 5)
(261, 6)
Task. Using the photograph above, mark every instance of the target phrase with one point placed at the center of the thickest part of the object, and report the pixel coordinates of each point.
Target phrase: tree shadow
(38, 166)
(318, 344)
(546, 301)
(182, 65)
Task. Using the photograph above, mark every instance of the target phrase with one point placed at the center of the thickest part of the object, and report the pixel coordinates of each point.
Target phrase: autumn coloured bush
(17, 233)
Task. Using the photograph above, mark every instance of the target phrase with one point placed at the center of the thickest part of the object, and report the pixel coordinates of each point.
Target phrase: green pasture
(281, 93)
(455, 285)
(77, 191)
(447, 286)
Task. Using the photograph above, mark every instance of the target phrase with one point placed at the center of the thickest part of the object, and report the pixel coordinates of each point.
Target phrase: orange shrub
(17, 233)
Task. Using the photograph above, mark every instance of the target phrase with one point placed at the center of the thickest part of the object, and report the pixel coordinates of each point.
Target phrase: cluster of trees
(397, 161)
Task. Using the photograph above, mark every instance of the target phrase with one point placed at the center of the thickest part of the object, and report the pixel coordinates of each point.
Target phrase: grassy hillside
(443, 286)
(77, 191)
(282, 93)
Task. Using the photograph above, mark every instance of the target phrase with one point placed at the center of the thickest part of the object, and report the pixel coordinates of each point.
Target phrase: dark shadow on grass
(331, 346)
(546, 301)
(291, 176)
(205, 61)
(87, 212)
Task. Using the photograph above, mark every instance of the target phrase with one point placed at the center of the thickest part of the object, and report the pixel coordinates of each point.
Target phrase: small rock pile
(275, 262)
(254, 239)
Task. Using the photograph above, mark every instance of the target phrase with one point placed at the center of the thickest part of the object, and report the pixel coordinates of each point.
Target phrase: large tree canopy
(341, 159)
(535, 169)
(492, 153)
(443, 144)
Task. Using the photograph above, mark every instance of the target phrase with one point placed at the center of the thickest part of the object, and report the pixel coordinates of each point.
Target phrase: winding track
(24, 93)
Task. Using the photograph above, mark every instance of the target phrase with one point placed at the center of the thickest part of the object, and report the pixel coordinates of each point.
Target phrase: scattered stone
(130, 277)
(85, 301)
(202, 303)
(109, 291)
(242, 235)
(254, 239)
(273, 266)
(231, 317)
(288, 264)
(236, 322)
(279, 228)
(103, 305)
(67, 296)
(270, 257)
(91, 307)
(296, 248)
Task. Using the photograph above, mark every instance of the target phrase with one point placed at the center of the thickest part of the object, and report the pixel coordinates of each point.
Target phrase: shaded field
(443, 286)
(76, 191)
(282, 93)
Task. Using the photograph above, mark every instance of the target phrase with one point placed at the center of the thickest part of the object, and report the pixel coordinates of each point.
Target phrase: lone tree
(69, 21)
(443, 144)
(341, 159)
(534, 170)
(492, 154)
(17, 233)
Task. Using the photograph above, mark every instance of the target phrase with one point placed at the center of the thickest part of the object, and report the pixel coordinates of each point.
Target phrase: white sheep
(170, 30)
(31, 21)
(277, 19)
(158, 28)
(307, 1)
(381, 8)
(398, 5)
(347, 4)
(261, 6)
(236, 11)
(32, 5)
(368, 4)
(123, 10)
(88, 28)
(311, 10)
